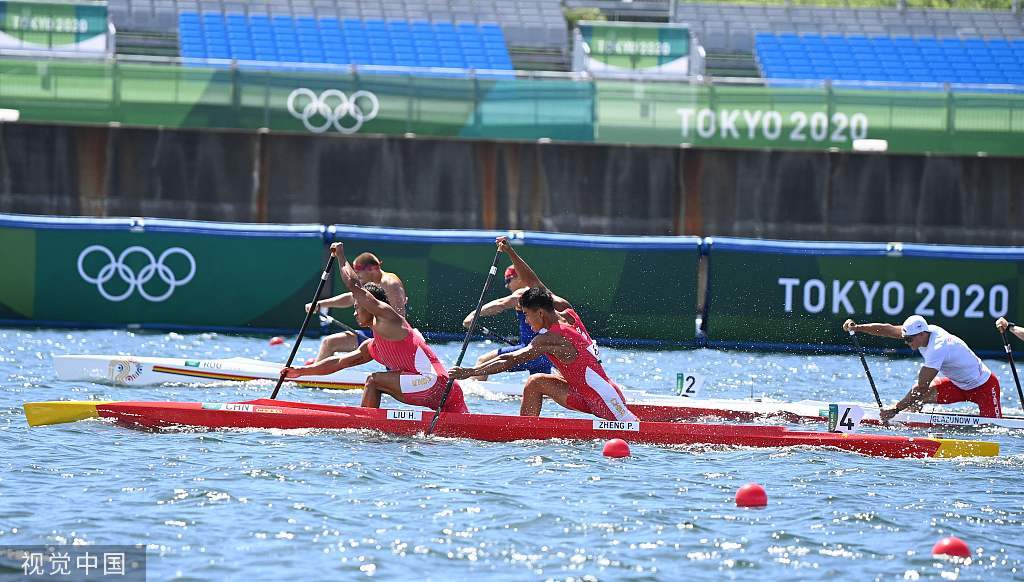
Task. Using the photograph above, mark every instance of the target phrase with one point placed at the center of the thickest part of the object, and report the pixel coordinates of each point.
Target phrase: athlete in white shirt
(965, 378)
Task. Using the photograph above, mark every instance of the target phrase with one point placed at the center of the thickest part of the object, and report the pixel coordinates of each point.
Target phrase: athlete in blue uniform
(516, 287)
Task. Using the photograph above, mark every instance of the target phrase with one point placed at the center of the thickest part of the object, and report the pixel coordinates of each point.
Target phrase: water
(327, 505)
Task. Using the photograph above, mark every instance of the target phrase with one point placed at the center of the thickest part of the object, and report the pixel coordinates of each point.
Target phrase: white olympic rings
(117, 266)
(319, 105)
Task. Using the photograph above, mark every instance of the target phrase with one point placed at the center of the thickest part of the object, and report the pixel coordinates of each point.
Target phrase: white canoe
(151, 371)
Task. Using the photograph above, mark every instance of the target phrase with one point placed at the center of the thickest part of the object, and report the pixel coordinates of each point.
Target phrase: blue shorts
(541, 365)
(363, 335)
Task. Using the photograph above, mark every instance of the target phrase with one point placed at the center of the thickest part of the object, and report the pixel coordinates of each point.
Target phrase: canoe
(150, 371)
(806, 411)
(277, 414)
(147, 371)
(155, 371)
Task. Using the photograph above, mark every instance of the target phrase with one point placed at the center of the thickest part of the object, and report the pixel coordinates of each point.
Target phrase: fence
(630, 290)
(560, 107)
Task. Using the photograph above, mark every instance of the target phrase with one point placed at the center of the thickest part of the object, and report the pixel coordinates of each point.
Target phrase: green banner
(809, 118)
(80, 27)
(606, 278)
(772, 293)
(164, 274)
(336, 102)
(634, 46)
(557, 108)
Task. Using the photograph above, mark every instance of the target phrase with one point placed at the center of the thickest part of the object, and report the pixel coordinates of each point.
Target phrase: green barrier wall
(630, 290)
(797, 294)
(555, 107)
(158, 273)
(608, 279)
(335, 102)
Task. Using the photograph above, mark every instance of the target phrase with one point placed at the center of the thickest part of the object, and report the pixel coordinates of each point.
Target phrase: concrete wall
(236, 176)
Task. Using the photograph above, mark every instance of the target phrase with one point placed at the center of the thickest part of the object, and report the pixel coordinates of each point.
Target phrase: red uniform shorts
(985, 396)
(431, 397)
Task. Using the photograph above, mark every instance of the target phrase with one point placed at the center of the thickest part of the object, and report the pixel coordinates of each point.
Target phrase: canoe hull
(149, 371)
(274, 414)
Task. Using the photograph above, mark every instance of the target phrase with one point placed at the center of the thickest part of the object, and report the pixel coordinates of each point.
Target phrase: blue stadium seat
(898, 59)
(286, 40)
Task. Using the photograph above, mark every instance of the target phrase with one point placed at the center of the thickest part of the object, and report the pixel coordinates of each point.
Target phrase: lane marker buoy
(751, 495)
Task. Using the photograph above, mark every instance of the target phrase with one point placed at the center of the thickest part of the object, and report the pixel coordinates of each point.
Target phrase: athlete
(582, 384)
(529, 279)
(415, 375)
(514, 283)
(368, 269)
(965, 378)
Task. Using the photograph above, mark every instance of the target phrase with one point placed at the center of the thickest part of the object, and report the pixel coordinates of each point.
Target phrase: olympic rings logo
(331, 107)
(116, 266)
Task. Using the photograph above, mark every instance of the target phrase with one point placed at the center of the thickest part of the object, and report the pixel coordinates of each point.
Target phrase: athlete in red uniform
(415, 375)
(583, 384)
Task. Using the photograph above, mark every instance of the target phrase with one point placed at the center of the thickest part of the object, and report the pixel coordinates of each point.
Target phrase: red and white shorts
(426, 389)
(985, 396)
(598, 397)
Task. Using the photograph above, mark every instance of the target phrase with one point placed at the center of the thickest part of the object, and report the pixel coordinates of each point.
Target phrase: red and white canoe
(150, 371)
(276, 414)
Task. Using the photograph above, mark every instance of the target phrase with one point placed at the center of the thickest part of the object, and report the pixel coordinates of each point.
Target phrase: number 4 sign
(689, 385)
(844, 417)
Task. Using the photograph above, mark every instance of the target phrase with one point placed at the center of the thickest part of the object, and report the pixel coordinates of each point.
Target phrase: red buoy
(616, 448)
(751, 495)
(310, 361)
(951, 546)
(276, 340)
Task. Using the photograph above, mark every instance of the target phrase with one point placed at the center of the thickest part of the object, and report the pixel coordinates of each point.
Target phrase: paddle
(305, 322)
(324, 318)
(497, 337)
(860, 352)
(1013, 367)
(328, 320)
(465, 340)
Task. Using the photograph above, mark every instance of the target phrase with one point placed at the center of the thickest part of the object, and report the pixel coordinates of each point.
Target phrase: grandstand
(281, 40)
(899, 59)
(532, 30)
(761, 40)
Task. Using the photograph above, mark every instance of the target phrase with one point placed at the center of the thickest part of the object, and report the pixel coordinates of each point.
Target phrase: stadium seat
(896, 59)
(329, 40)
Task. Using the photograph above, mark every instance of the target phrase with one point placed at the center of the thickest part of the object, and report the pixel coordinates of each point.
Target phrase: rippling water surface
(327, 505)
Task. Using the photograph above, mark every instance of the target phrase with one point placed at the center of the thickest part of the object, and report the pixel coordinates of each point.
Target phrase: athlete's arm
(362, 297)
(1003, 326)
(494, 307)
(338, 301)
(530, 279)
(527, 274)
(545, 344)
(396, 293)
(879, 329)
(332, 364)
(917, 396)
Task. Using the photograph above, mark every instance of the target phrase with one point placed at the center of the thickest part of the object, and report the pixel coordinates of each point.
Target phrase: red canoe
(277, 414)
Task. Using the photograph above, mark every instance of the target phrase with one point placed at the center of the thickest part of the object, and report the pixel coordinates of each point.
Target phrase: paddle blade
(57, 412)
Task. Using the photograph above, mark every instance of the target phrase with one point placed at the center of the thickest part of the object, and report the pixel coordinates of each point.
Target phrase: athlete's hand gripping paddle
(305, 323)
(1013, 367)
(465, 341)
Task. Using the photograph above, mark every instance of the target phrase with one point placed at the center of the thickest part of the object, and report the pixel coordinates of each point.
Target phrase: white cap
(914, 325)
